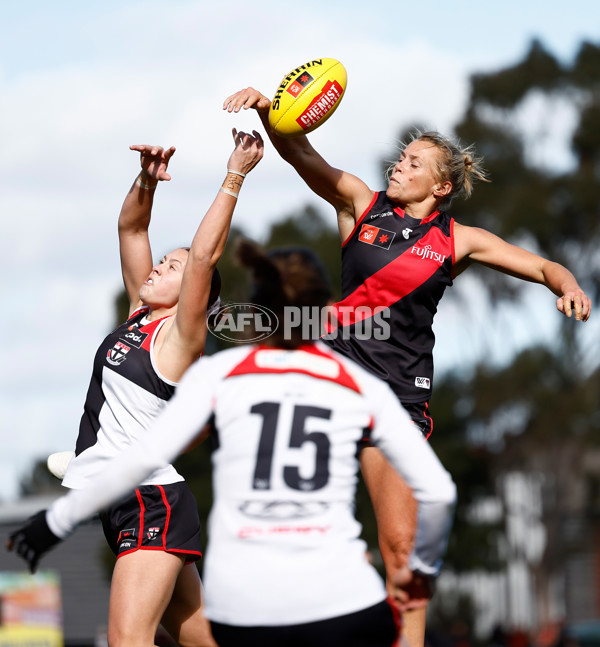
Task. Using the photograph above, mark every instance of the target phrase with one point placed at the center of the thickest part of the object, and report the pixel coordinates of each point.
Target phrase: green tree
(540, 413)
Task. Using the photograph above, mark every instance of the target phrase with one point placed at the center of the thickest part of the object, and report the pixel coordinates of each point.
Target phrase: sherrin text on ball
(307, 97)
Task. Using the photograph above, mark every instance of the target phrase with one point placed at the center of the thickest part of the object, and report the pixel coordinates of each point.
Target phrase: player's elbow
(449, 494)
(444, 491)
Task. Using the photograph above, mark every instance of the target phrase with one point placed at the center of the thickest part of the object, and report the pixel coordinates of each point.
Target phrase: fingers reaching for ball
(246, 98)
(154, 160)
(248, 151)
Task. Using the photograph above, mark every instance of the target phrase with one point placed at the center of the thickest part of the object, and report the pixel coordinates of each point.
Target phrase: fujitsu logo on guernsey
(426, 253)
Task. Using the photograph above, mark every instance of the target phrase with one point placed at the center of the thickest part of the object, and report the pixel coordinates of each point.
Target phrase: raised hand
(247, 153)
(247, 98)
(575, 302)
(154, 160)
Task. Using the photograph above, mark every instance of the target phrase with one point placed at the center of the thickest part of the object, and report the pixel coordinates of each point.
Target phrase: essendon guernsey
(395, 269)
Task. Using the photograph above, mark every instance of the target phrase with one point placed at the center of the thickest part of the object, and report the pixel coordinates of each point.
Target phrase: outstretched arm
(478, 245)
(168, 436)
(134, 219)
(349, 195)
(183, 338)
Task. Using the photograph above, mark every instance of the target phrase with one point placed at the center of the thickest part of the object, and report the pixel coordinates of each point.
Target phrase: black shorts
(155, 517)
(377, 626)
(419, 413)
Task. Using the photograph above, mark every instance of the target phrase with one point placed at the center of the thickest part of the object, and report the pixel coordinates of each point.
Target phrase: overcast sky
(81, 81)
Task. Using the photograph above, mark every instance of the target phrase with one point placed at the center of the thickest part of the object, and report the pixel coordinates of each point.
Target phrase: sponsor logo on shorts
(118, 353)
(125, 535)
(152, 533)
(423, 382)
(376, 236)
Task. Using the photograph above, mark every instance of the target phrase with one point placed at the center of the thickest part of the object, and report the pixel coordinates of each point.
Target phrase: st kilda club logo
(118, 353)
(132, 337)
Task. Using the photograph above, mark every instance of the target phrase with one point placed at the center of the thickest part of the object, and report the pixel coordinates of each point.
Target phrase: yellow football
(307, 97)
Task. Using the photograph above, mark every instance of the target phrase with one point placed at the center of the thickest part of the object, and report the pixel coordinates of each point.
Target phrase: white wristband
(236, 172)
(228, 192)
(147, 187)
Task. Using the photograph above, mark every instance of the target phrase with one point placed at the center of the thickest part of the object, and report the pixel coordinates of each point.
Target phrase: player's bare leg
(141, 589)
(395, 510)
(413, 626)
(184, 618)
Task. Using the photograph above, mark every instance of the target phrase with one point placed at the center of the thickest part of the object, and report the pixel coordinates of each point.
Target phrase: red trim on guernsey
(249, 366)
(400, 212)
(364, 213)
(137, 311)
(430, 217)
(390, 284)
(452, 245)
(150, 328)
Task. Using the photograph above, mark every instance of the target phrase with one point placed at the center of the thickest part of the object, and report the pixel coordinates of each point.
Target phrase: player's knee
(134, 636)
(202, 637)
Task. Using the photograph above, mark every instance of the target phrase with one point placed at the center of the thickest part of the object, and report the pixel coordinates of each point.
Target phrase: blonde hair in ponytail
(457, 164)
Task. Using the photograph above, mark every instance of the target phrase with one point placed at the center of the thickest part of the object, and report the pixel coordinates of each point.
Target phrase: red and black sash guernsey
(395, 269)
